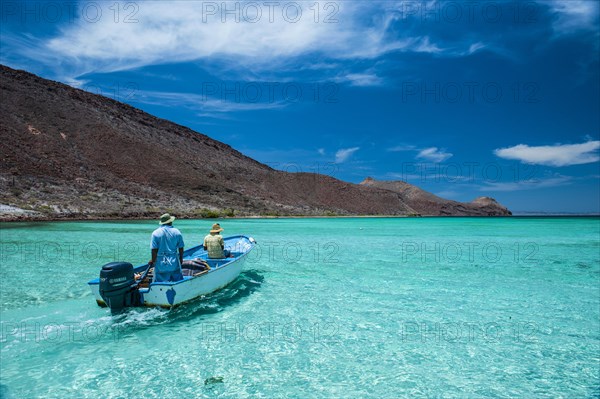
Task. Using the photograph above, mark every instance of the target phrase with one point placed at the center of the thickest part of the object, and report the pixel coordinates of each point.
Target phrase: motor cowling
(118, 287)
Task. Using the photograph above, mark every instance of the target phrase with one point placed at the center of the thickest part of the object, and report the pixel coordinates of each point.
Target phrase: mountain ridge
(426, 203)
(67, 153)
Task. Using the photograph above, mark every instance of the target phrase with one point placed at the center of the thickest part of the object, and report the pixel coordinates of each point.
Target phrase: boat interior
(189, 270)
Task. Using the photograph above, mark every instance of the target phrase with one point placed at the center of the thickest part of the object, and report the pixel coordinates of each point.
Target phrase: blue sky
(463, 99)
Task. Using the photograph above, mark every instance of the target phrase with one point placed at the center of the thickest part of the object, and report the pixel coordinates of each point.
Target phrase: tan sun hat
(216, 228)
(166, 219)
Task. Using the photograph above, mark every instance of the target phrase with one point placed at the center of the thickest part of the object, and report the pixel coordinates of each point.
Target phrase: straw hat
(166, 219)
(216, 228)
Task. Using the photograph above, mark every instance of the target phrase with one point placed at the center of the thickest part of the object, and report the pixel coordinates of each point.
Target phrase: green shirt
(214, 245)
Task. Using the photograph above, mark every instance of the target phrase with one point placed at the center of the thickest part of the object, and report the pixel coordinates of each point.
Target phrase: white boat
(118, 287)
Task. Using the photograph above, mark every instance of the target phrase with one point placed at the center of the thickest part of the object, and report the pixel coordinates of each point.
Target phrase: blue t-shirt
(167, 239)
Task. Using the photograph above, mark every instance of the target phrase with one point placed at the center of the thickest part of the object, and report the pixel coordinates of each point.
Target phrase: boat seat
(217, 262)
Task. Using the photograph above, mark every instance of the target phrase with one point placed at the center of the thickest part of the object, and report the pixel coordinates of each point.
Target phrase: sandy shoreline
(72, 218)
(16, 218)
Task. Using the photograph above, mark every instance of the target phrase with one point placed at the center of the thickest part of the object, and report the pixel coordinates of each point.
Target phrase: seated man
(167, 251)
(214, 244)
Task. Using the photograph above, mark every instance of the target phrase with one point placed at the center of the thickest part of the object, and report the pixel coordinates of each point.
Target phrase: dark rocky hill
(425, 203)
(69, 153)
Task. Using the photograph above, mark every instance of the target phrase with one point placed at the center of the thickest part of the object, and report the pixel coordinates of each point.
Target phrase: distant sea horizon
(558, 214)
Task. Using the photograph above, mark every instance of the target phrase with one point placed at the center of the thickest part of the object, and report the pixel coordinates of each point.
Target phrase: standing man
(167, 250)
(214, 244)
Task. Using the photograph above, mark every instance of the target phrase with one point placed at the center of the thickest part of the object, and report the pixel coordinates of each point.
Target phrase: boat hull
(170, 294)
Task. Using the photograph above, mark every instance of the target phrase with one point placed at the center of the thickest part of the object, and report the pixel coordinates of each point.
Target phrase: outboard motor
(118, 287)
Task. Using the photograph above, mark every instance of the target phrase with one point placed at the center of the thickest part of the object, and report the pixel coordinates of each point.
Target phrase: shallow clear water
(325, 308)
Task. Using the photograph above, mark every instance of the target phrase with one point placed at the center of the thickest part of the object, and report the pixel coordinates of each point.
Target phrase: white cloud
(425, 46)
(574, 15)
(555, 155)
(162, 32)
(344, 154)
(433, 154)
(180, 31)
(202, 104)
(321, 151)
(361, 79)
(475, 47)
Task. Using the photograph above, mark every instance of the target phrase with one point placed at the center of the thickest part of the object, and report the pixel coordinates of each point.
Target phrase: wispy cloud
(433, 154)
(458, 187)
(574, 15)
(343, 154)
(361, 79)
(181, 31)
(473, 48)
(427, 176)
(424, 45)
(532, 184)
(555, 155)
(202, 104)
(430, 154)
(164, 32)
(400, 148)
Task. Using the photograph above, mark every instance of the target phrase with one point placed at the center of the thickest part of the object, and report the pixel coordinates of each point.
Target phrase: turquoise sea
(325, 308)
